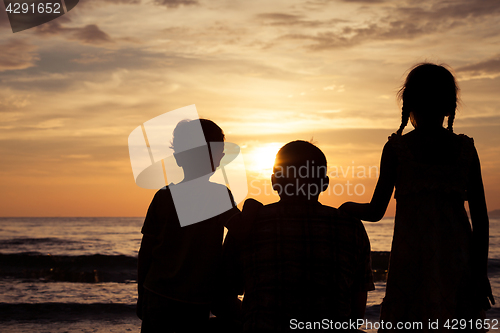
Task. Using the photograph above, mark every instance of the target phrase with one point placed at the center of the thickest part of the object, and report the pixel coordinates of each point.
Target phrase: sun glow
(262, 158)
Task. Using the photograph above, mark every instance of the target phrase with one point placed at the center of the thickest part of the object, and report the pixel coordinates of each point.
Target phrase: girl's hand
(346, 206)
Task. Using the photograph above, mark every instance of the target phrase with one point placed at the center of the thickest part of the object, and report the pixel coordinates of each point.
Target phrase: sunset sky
(268, 72)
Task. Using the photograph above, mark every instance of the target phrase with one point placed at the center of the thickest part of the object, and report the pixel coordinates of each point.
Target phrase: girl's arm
(375, 210)
(480, 226)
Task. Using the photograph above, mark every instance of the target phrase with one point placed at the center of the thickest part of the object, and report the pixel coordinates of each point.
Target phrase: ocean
(64, 274)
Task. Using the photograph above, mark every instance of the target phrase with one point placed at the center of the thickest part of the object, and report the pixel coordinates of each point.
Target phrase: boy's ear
(325, 182)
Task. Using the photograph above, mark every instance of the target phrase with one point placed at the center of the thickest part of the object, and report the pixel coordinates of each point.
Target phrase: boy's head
(198, 160)
(300, 171)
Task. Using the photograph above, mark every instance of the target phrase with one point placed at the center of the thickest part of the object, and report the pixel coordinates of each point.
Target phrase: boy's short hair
(208, 155)
(300, 160)
(185, 129)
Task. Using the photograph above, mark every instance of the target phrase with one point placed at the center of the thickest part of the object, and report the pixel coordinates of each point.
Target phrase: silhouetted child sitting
(182, 242)
(296, 260)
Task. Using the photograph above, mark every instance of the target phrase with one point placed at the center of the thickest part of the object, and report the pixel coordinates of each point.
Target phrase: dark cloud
(94, 3)
(176, 3)
(279, 16)
(486, 67)
(321, 4)
(89, 34)
(125, 2)
(464, 9)
(89, 58)
(282, 19)
(365, 1)
(17, 54)
(442, 13)
(403, 22)
(53, 27)
(322, 40)
(64, 69)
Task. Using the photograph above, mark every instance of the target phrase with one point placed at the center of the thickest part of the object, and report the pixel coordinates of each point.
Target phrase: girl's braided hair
(429, 90)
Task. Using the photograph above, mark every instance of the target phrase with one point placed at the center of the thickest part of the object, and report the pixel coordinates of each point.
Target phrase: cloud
(53, 27)
(17, 54)
(89, 58)
(320, 5)
(488, 68)
(176, 3)
(403, 22)
(126, 2)
(464, 9)
(278, 16)
(100, 3)
(326, 2)
(322, 40)
(364, 1)
(10, 100)
(340, 88)
(89, 34)
(50, 123)
(282, 19)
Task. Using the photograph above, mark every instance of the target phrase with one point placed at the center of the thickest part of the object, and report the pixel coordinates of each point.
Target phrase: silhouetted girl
(438, 265)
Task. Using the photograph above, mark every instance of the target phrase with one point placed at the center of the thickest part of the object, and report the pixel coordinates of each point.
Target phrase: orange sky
(267, 72)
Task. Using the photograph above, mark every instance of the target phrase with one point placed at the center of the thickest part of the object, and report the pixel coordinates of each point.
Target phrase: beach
(78, 274)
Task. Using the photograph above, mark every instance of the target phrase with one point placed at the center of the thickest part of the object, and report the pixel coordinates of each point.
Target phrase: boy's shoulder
(162, 196)
(327, 218)
(321, 211)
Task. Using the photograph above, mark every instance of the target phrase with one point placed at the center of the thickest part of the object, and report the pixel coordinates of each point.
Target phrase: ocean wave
(101, 268)
(63, 311)
(34, 241)
(86, 268)
(120, 268)
(493, 266)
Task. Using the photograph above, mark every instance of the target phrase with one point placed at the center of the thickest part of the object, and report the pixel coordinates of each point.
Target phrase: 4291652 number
(40, 8)
(461, 324)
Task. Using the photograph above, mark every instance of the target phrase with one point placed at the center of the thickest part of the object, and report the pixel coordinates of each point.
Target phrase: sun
(262, 158)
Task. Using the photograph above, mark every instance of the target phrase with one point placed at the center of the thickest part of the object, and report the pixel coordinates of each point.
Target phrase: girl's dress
(429, 275)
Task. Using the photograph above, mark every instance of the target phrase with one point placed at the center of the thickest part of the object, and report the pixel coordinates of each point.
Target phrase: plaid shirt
(296, 260)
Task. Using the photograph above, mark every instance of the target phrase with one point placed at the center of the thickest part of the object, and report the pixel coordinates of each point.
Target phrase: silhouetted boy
(296, 260)
(182, 236)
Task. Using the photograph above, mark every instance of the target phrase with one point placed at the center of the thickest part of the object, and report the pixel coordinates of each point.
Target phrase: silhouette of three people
(298, 262)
